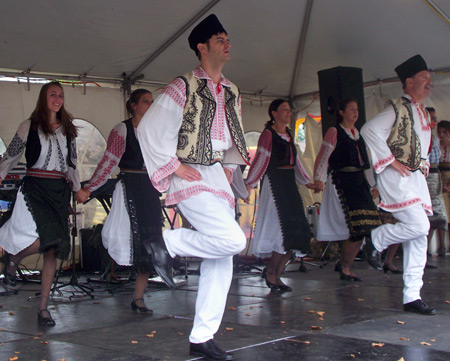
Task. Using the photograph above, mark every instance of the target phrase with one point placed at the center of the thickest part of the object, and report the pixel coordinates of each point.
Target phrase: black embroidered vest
(281, 151)
(132, 158)
(34, 147)
(346, 152)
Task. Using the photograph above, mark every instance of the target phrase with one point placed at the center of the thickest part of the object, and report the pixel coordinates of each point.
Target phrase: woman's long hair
(134, 99)
(273, 107)
(40, 117)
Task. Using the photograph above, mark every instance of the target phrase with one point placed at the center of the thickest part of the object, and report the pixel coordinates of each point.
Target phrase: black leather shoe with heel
(387, 269)
(45, 321)
(142, 309)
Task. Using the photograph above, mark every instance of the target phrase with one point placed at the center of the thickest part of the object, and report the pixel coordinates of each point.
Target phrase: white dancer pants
(217, 238)
(411, 231)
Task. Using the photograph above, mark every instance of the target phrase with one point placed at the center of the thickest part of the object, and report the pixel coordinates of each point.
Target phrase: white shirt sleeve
(375, 133)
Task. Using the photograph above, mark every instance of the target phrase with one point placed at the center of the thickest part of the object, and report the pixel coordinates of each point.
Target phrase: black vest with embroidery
(34, 147)
(281, 151)
(346, 152)
(132, 158)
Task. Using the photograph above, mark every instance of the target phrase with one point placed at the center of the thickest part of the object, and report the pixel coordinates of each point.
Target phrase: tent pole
(174, 37)
(300, 49)
(438, 11)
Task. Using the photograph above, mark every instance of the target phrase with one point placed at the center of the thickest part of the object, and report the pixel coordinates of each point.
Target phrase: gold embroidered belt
(434, 168)
(444, 166)
(349, 169)
(135, 171)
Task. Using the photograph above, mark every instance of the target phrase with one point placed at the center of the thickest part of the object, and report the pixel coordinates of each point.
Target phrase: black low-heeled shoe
(46, 321)
(386, 269)
(272, 286)
(142, 309)
(8, 277)
(264, 272)
(345, 277)
(285, 288)
(357, 279)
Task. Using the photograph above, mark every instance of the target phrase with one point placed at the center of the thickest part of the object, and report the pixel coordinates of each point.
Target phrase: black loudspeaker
(336, 84)
(95, 257)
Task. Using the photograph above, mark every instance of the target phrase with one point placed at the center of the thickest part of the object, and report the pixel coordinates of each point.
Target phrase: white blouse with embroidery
(53, 155)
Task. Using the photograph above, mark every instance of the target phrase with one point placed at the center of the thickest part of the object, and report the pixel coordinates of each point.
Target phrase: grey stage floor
(324, 318)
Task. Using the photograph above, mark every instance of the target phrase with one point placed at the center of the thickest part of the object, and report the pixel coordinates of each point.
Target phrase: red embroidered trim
(42, 173)
(176, 90)
(199, 72)
(161, 177)
(302, 170)
(383, 162)
(116, 144)
(423, 122)
(183, 194)
(218, 125)
(400, 205)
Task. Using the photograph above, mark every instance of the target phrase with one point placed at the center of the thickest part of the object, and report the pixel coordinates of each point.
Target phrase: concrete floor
(257, 325)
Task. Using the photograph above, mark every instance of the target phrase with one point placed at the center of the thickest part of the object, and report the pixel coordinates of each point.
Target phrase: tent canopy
(277, 46)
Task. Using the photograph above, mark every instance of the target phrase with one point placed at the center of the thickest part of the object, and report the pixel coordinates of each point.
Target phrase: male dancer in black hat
(399, 140)
(192, 139)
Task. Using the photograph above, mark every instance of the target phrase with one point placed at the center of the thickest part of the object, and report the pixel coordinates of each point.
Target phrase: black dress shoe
(430, 266)
(272, 286)
(285, 288)
(418, 306)
(210, 351)
(373, 256)
(142, 309)
(387, 269)
(161, 259)
(264, 272)
(46, 321)
(345, 277)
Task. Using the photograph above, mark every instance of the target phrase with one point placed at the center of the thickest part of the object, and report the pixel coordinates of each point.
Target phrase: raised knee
(421, 229)
(239, 242)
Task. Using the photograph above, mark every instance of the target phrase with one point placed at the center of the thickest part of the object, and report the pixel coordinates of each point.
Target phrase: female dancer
(39, 221)
(348, 212)
(281, 225)
(136, 210)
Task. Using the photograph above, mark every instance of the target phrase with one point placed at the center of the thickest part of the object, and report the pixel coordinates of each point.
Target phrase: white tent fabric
(106, 38)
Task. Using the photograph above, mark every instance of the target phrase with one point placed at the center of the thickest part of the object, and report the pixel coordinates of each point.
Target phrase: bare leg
(349, 251)
(390, 254)
(139, 288)
(272, 268)
(281, 266)
(17, 258)
(441, 239)
(48, 274)
(429, 237)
